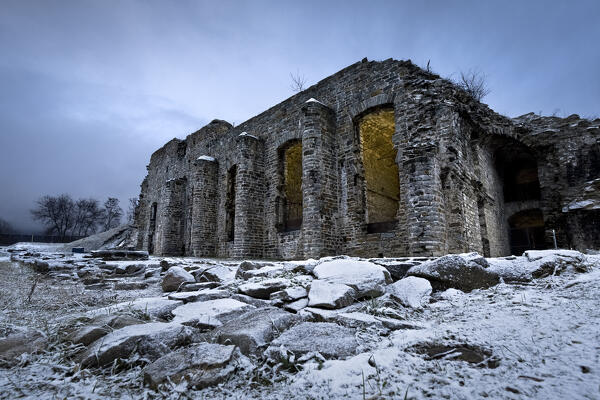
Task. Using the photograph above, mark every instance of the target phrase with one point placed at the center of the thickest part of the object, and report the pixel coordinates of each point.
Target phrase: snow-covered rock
(217, 273)
(14, 345)
(209, 314)
(330, 340)
(151, 340)
(296, 306)
(255, 329)
(201, 365)
(328, 295)
(460, 271)
(100, 326)
(289, 294)
(199, 295)
(535, 264)
(263, 289)
(411, 291)
(155, 307)
(246, 266)
(366, 278)
(174, 277)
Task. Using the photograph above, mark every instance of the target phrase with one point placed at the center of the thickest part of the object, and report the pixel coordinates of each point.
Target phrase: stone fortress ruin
(379, 159)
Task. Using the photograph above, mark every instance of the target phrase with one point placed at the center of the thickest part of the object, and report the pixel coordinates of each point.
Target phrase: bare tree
(112, 213)
(298, 82)
(6, 227)
(88, 214)
(133, 203)
(474, 82)
(56, 213)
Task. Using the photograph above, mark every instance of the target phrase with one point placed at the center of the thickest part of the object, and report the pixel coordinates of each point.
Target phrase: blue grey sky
(89, 89)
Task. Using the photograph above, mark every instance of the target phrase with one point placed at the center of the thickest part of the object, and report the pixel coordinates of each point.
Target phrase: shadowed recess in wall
(381, 171)
(292, 175)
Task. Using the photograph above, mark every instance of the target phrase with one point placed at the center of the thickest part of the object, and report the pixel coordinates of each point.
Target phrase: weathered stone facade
(469, 179)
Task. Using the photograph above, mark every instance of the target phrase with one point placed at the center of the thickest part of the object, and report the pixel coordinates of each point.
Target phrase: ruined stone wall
(451, 193)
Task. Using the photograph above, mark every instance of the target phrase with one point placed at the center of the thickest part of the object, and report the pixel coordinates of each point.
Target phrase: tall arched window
(290, 156)
(381, 171)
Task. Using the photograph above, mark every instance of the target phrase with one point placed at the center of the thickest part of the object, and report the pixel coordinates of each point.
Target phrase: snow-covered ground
(533, 335)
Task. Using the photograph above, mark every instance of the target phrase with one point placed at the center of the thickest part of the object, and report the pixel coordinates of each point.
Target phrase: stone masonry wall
(450, 188)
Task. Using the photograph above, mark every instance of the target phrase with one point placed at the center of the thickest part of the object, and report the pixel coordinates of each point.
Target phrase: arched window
(290, 155)
(381, 171)
(230, 204)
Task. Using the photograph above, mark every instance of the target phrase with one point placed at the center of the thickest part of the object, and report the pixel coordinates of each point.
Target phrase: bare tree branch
(298, 82)
(474, 82)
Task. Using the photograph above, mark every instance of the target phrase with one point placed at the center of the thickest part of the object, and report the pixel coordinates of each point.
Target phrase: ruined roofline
(415, 77)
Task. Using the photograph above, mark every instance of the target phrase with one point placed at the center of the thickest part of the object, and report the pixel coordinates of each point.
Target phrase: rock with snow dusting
(366, 278)
(246, 266)
(460, 271)
(18, 343)
(263, 289)
(209, 314)
(296, 306)
(199, 295)
(174, 277)
(289, 294)
(201, 365)
(154, 307)
(152, 340)
(255, 329)
(99, 326)
(535, 264)
(411, 291)
(328, 295)
(216, 273)
(329, 339)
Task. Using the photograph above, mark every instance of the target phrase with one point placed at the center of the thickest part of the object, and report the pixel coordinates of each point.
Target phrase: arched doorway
(382, 187)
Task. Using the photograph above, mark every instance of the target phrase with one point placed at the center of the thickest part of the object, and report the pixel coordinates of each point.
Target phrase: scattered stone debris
(314, 322)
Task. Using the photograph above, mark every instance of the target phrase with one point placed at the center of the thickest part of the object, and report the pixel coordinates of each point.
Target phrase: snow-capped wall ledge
(582, 205)
(313, 100)
(206, 158)
(246, 134)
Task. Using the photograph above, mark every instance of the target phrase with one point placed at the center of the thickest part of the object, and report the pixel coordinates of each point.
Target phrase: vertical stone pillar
(249, 198)
(204, 207)
(425, 215)
(173, 218)
(319, 179)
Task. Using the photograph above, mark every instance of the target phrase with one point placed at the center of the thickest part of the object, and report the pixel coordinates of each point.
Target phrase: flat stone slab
(118, 255)
(366, 278)
(209, 314)
(201, 365)
(255, 329)
(328, 295)
(216, 273)
(263, 289)
(155, 307)
(99, 326)
(152, 340)
(200, 295)
(329, 339)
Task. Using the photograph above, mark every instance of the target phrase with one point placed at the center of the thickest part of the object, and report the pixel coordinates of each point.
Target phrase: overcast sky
(89, 89)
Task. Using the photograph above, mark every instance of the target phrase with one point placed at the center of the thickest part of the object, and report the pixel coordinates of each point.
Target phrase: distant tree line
(6, 227)
(62, 216)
